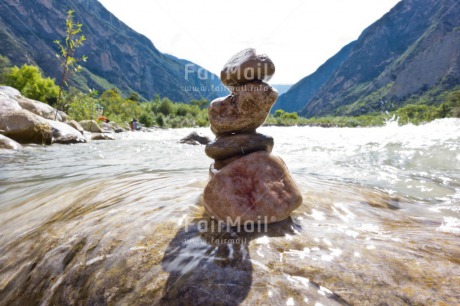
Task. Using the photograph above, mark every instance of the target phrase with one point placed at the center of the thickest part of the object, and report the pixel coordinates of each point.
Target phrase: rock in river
(255, 187)
(247, 66)
(244, 110)
(102, 136)
(9, 144)
(195, 139)
(76, 126)
(65, 134)
(228, 146)
(91, 126)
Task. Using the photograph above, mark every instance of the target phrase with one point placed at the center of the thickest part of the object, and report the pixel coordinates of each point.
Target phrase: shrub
(166, 107)
(81, 106)
(160, 121)
(29, 81)
(146, 120)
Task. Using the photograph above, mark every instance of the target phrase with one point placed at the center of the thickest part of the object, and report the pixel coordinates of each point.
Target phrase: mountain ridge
(117, 55)
(412, 49)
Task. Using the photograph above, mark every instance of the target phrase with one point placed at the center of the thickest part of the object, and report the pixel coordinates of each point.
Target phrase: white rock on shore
(8, 143)
(24, 120)
(64, 133)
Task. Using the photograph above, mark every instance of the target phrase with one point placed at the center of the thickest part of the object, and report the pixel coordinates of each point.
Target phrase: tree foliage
(66, 56)
(81, 106)
(29, 81)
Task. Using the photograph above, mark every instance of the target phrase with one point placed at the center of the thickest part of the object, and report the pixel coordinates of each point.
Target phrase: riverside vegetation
(163, 112)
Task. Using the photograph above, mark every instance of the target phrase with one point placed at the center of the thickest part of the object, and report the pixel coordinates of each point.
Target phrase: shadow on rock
(211, 265)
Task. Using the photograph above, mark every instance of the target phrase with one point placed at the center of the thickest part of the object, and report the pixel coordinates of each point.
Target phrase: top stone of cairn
(246, 66)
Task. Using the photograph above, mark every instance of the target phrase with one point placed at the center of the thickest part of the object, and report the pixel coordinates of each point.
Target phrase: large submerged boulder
(25, 127)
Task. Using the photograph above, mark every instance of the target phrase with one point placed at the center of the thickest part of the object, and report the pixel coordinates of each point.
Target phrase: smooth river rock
(219, 164)
(244, 110)
(39, 108)
(25, 127)
(228, 146)
(76, 126)
(64, 133)
(257, 187)
(91, 126)
(102, 136)
(9, 144)
(10, 92)
(247, 66)
(195, 139)
(8, 104)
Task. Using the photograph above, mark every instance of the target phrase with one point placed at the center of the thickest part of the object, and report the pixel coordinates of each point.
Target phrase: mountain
(304, 90)
(413, 51)
(117, 55)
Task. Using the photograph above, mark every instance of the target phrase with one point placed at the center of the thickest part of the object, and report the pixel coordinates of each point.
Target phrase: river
(121, 222)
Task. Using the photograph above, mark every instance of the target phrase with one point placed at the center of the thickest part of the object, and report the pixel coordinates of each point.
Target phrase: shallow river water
(121, 222)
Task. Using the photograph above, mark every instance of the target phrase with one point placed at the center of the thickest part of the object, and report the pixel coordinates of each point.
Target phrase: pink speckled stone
(252, 187)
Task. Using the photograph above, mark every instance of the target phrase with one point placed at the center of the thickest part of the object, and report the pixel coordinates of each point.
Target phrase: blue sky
(299, 35)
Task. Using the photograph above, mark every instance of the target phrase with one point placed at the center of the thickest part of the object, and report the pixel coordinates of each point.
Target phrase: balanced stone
(256, 187)
(247, 66)
(244, 110)
(220, 163)
(228, 146)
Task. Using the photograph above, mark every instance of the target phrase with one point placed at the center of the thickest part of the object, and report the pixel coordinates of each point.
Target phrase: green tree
(278, 113)
(166, 107)
(146, 120)
(134, 97)
(292, 115)
(160, 121)
(202, 104)
(81, 106)
(69, 62)
(29, 81)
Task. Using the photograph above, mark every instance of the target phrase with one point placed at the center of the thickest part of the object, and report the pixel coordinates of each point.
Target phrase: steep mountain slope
(413, 49)
(117, 55)
(303, 91)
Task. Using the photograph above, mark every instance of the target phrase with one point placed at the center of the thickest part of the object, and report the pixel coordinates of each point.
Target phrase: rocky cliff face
(300, 94)
(117, 55)
(412, 49)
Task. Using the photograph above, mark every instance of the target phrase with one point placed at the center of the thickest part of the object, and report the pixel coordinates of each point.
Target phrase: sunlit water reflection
(114, 222)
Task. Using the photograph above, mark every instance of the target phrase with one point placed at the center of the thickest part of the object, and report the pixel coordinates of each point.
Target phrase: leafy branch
(66, 56)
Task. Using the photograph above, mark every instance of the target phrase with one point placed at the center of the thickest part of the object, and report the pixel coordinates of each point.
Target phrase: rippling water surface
(121, 222)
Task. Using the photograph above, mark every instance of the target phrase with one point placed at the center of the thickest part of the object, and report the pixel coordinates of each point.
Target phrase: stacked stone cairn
(248, 183)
